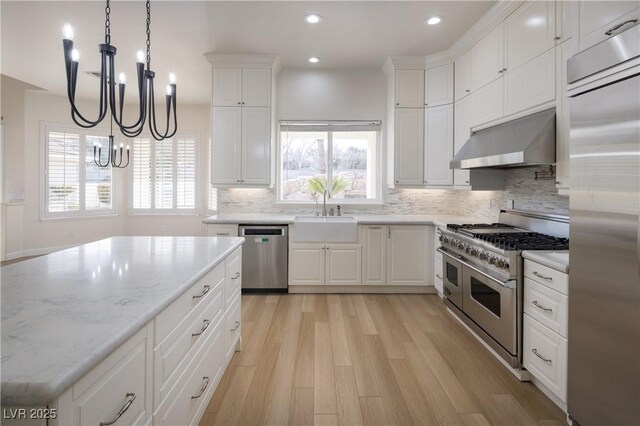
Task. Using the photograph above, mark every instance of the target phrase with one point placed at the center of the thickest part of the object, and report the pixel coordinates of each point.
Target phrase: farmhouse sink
(327, 229)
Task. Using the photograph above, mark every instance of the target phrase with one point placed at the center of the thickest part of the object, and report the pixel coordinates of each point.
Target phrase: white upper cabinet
(599, 20)
(461, 134)
(256, 145)
(226, 140)
(409, 88)
(241, 86)
(487, 103)
(256, 87)
(409, 146)
(531, 84)
(227, 86)
(438, 86)
(438, 142)
(487, 58)
(566, 20)
(530, 31)
(462, 76)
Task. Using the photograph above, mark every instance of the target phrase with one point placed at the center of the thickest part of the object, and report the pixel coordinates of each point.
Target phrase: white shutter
(212, 201)
(142, 173)
(164, 174)
(186, 173)
(98, 182)
(63, 172)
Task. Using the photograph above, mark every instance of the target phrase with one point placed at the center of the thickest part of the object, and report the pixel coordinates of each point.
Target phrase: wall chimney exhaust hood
(526, 141)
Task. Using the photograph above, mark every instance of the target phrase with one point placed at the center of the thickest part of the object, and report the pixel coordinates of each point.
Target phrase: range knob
(444, 239)
(500, 263)
(492, 260)
(506, 265)
(461, 245)
(474, 252)
(483, 256)
(467, 249)
(441, 238)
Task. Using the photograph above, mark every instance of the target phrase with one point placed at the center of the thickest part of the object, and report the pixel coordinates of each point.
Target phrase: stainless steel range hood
(526, 141)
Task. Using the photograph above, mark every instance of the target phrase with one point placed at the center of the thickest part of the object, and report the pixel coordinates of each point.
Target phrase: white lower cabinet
(221, 230)
(374, 255)
(325, 264)
(409, 255)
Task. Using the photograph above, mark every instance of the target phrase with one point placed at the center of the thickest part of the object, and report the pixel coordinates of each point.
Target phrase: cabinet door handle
(467, 90)
(130, 398)
(466, 181)
(439, 277)
(616, 27)
(389, 233)
(239, 103)
(397, 103)
(237, 326)
(205, 325)
(536, 353)
(204, 292)
(539, 275)
(539, 306)
(374, 227)
(236, 276)
(205, 384)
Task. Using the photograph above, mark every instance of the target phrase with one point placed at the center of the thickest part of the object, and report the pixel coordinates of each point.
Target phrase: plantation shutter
(213, 192)
(98, 185)
(63, 172)
(164, 174)
(186, 173)
(142, 169)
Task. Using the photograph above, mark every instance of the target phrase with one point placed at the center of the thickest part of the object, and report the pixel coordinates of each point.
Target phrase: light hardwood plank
(421, 410)
(325, 420)
(225, 385)
(384, 325)
(372, 409)
(308, 303)
(231, 408)
(259, 397)
(322, 309)
(324, 395)
(347, 396)
(301, 407)
(272, 298)
(474, 419)
(339, 343)
(252, 348)
(364, 317)
(362, 367)
(304, 366)
(505, 409)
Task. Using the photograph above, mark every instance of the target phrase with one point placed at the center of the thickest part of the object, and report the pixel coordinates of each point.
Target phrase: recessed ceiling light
(434, 20)
(314, 60)
(312, 18)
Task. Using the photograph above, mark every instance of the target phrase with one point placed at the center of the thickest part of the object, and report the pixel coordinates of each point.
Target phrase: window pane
(353, 165)
(186, 173)
(63, 166)
(98, 193)
(304, 165)
(164, 174)
(141, 174)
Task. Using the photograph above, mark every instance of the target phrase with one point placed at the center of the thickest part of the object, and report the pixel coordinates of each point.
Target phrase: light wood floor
(367, 359)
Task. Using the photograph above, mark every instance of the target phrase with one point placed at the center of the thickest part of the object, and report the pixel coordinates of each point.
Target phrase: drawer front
(437, 274)
(122, 388)
(232, 328)
(547, 276)
(234, 275)
(188, 399)
(545, 356)
(546, 305)
(177, 350)
(222, 230)
(199, 293)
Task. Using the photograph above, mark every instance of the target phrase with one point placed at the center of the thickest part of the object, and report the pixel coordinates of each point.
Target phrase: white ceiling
(351, 34)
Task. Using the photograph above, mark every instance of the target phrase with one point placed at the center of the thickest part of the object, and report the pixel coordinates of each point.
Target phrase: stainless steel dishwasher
(265, 258)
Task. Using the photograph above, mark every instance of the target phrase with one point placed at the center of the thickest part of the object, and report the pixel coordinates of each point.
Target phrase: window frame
(175, 211)
(371, 202)
(82, 212)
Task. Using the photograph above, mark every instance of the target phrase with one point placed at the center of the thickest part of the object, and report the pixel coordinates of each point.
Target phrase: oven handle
(508, 284)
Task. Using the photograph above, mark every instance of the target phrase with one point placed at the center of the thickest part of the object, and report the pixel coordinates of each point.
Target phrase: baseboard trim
(34, 252)
(359, 289)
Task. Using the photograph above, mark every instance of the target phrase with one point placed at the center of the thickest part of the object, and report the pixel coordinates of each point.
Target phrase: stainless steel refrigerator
(604, 279)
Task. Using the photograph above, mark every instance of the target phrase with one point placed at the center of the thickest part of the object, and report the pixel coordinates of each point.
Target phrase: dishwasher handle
(263, 232)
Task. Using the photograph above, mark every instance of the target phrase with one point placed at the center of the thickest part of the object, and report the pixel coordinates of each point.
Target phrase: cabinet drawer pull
(237, 326)
(236, 276)
(130, 398)
(536, 353)
(374, 227)
(226, 234)
(539, 275)
(205, 325)
(204, 292)
(539, 306)
(438, 275)
(612, 29)
(205, 384)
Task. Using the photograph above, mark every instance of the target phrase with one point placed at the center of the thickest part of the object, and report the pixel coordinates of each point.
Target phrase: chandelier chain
(107, 23)
(148, 34)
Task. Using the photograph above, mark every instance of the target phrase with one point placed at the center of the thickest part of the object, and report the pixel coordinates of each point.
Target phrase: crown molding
(239, 60)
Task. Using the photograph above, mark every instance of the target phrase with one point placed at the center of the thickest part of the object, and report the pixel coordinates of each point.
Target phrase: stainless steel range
(483, 273)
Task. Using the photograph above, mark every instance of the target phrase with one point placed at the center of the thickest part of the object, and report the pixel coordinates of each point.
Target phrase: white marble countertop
(558, 260)
(288, 219)
(65, 312)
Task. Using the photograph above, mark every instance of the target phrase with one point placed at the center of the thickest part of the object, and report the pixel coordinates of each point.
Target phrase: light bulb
(75, 55)
(121, 145)
(95, 144)
(169, 90)
(140, 56)
(67, 30)
(172, 78)
(127, 147)
(123, 78)
(100, 145)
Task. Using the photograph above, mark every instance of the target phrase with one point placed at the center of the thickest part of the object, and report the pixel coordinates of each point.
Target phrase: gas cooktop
(508, 237)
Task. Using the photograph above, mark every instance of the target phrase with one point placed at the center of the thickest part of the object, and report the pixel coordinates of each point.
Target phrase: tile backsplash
(522, 192)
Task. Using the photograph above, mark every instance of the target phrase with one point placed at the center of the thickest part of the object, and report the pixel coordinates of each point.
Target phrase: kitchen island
(83, 327)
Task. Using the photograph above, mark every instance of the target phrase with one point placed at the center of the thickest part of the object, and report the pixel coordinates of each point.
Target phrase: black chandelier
(146, 92)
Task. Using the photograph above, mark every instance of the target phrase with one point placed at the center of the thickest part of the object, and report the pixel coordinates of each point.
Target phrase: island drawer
(546, 305)
(199, 293)
(178, 348)
(222, 230)
(546, 276)
(232, 328)
(234, 275)
(115, 387)
(188, 399)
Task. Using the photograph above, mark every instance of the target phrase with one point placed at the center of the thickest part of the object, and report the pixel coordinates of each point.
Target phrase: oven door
(452, 279)
(492, 304)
